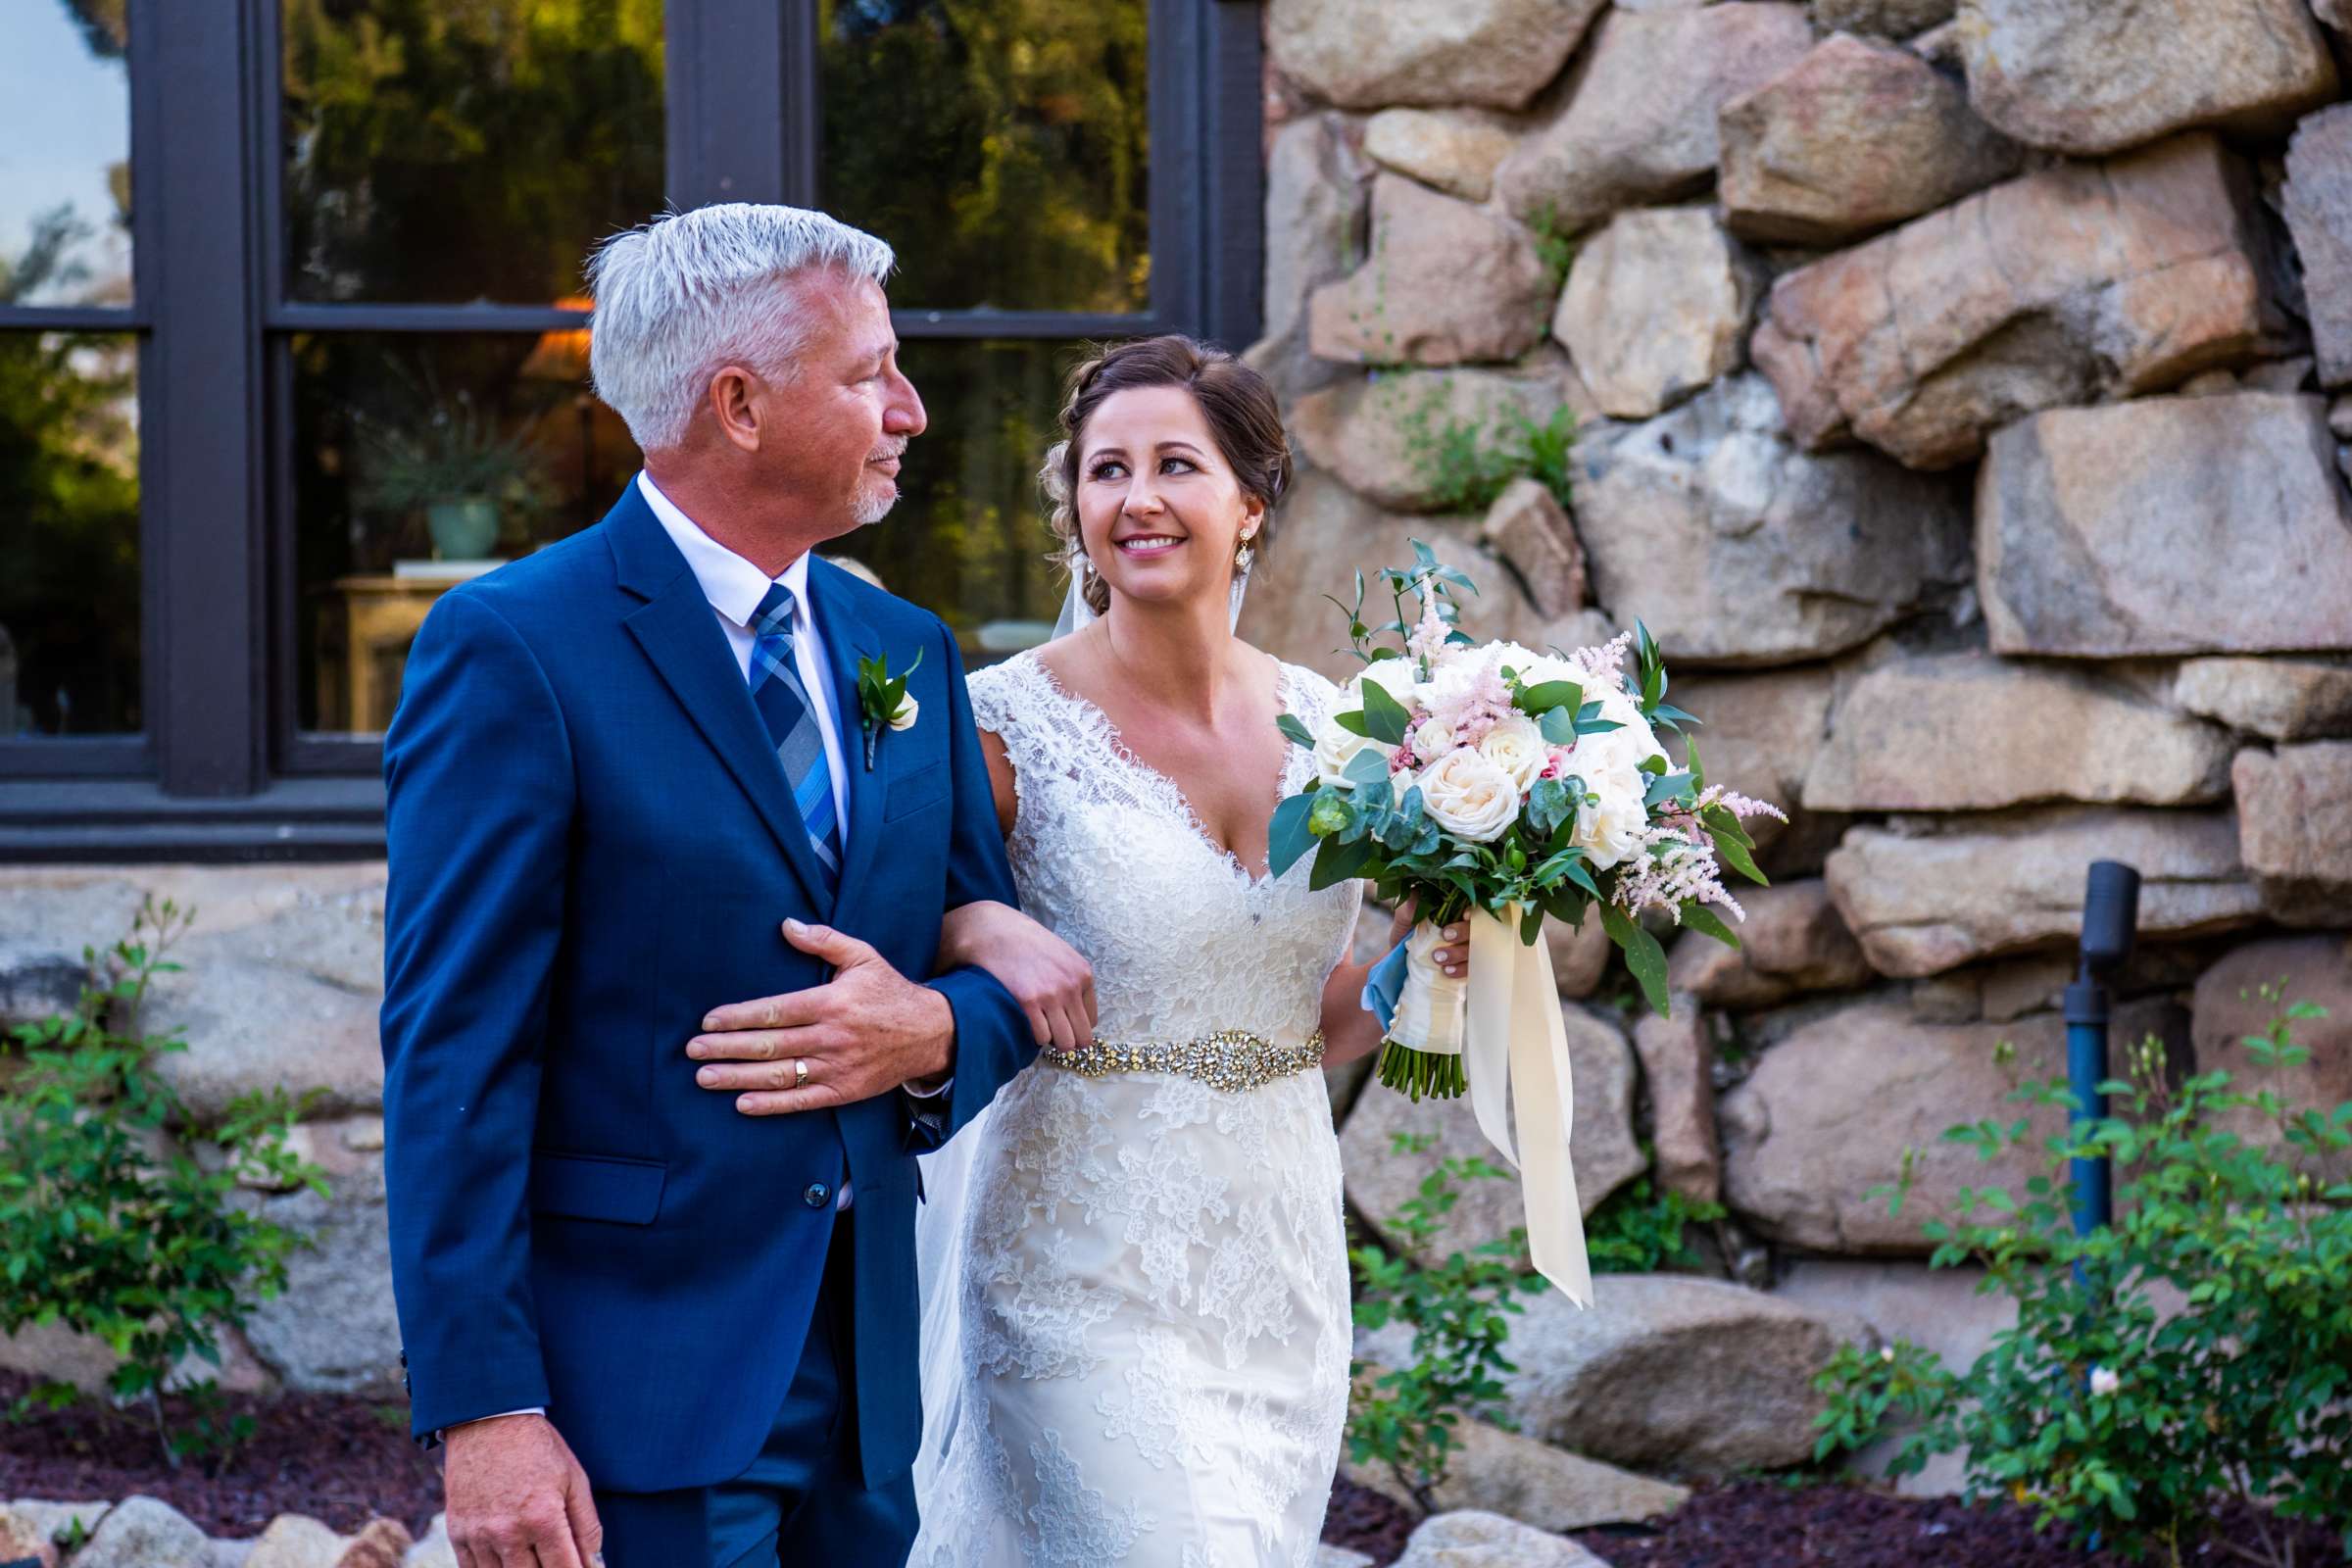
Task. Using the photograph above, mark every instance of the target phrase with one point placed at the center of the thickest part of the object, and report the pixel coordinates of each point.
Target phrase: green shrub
(2104, 1414)
(1466, 464)
(108, 1225)
(1460, 1315)
(1639, 1230)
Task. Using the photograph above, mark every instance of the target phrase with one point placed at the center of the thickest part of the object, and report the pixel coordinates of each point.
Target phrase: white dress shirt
(735, 587)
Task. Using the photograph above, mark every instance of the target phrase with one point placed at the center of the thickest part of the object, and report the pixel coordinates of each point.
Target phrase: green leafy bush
(1466, 464)
(1639, 1230)
(2196, 1353)
(1460, 1315)
(111, 1226)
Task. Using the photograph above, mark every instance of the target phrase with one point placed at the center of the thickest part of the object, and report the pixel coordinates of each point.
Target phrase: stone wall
(1961, 389)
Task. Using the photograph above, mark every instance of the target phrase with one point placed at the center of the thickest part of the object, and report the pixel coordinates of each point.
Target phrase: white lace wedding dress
(1149, 1311)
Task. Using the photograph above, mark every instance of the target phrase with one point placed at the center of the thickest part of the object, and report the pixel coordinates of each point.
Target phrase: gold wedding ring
(800, 1072)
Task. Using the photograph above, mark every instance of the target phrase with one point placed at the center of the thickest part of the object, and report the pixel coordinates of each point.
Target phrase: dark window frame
(222, 771)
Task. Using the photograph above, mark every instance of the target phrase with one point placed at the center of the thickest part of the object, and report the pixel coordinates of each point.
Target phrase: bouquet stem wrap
(1423, 1050)
(1517, 1054)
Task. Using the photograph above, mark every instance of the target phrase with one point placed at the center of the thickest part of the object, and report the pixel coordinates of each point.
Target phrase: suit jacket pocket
(919, 791)
(604, 1187)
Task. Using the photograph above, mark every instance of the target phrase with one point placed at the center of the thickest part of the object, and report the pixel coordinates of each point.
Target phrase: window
(357, 345)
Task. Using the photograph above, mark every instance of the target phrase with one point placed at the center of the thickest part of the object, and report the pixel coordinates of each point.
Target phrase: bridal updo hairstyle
(1235, 401)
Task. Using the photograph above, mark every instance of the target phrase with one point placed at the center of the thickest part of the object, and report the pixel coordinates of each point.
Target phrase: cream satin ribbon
(1518, 1051)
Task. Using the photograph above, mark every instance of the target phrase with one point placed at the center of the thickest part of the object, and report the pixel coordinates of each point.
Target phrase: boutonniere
(883, 697)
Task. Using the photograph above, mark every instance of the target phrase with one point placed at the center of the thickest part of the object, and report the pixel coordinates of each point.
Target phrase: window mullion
(726, 69)
(200, 473)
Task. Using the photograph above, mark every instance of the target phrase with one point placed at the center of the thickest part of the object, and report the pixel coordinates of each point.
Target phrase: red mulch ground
(343, 1460)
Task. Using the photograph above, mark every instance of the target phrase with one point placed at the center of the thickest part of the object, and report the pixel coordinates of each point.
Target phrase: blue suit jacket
(592, 844)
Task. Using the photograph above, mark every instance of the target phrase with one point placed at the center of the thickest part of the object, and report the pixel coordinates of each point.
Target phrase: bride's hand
(1053, 983)
(1453, 959)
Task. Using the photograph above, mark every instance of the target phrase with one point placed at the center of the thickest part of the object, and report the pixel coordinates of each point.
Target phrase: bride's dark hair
(1240, 407)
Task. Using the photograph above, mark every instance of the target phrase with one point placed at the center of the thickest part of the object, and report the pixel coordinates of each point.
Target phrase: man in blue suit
(663, 1312)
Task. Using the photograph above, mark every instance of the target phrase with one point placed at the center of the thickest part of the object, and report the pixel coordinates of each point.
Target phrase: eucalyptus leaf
(1288, 838)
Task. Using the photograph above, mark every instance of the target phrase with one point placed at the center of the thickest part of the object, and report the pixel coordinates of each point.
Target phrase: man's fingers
(1093, 1013)
(731, 1077)
(836, 948)
(766, 1044)
(794, 1010)
(789, 1101)
(1039, 1025)
(1066, 1038)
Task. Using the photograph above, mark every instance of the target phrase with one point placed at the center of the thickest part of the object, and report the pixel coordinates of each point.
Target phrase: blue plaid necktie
(783, 702)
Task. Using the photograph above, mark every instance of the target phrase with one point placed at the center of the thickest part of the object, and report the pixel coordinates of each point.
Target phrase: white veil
(943, 1220)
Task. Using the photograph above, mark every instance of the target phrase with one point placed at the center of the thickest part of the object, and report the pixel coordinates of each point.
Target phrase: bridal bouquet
(1500, 786)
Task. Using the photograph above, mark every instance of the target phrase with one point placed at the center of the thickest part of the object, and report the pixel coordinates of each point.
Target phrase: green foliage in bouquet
(2109, 1415)
(109, 1230)
(1367, 829)
(1459, 1311)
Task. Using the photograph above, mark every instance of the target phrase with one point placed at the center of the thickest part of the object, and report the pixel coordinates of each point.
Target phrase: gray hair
(689, 292)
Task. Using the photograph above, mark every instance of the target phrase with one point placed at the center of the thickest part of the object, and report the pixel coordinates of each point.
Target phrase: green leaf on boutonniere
(879, 694)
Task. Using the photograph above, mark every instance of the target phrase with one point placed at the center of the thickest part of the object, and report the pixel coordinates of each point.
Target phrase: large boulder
(2242, 994)
(1829, 1113)
(1854, 136)
(1665, 1369)
(333, 1330)
(1923, 898)
(1366, 54)
(2071, 283)
(1961, 732)
(2096, 526)
(1455, 150)
(1637, 124)
(2318, 203)
(1758, 735)
(2294, 824)
(140, 1532)
(1678, 1063)
(1601, 1147)
(1792, 942)
(1469, 1539)
(1388, 436)
(1519, 1478)
(2093, 77)
(23, 1542)
(1446, 283)
(1656, 308)
(1318, 190)
(1737, 548)
(2280, 699)
(1328, 532)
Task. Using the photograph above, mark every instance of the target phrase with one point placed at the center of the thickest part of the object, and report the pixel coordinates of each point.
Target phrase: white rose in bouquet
(1431, 739)
(1517, 747)
(1611, 832)
(1396, 676)
(1466, 794)
(1336, 748)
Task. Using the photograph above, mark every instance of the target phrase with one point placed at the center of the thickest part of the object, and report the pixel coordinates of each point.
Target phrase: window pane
(69, 541)
(1000, 146)
(65, 154)
(967, 538)
(419, 461)
(447, 151)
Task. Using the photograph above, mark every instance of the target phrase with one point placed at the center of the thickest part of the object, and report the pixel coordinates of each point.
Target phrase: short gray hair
(691, 291)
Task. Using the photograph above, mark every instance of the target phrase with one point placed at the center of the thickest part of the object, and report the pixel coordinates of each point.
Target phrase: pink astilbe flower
(1485, 702)
(1677, 858)
(1427, 640)
(1605, 661)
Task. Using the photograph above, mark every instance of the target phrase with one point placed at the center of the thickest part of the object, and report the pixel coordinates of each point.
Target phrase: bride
(1137, 1327)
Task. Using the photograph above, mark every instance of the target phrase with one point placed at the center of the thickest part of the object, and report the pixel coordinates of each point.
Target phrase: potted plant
(454, 465)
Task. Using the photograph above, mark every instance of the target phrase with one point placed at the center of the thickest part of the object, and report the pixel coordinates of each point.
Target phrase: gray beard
(867, 508)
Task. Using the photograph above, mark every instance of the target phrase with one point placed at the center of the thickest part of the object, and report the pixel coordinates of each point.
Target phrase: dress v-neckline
(1195, 823)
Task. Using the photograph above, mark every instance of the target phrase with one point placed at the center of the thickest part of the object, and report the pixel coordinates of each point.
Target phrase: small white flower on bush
(2104, 1382)
(1468, 795)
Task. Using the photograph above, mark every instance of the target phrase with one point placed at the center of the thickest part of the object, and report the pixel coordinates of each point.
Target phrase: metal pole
(2110, 917)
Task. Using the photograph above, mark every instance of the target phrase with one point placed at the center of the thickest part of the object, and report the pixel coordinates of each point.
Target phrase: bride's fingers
(1454, 956)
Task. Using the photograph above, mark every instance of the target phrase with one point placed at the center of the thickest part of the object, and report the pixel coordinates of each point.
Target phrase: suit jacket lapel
(680, 633)
(848, 638)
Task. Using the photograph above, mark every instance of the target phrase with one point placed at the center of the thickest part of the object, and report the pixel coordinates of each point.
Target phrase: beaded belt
(1227, 1060)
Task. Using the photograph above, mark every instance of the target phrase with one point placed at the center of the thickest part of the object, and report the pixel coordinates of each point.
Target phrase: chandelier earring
(1242, 554)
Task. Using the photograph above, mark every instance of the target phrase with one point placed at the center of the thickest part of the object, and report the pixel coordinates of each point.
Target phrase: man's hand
(518, 1499)
(866, 1031)
(1046, 976)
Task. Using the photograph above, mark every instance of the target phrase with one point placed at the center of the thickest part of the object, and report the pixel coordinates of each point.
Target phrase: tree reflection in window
(447, 151)
(1001, 146)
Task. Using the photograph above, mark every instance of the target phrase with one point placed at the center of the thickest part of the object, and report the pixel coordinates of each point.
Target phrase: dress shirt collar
(732, 584)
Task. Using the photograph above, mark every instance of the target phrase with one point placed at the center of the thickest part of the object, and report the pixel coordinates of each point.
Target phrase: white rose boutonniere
(885, 701)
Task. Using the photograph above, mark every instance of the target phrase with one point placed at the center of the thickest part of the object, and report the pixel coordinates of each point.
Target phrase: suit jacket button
(816, 1195)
